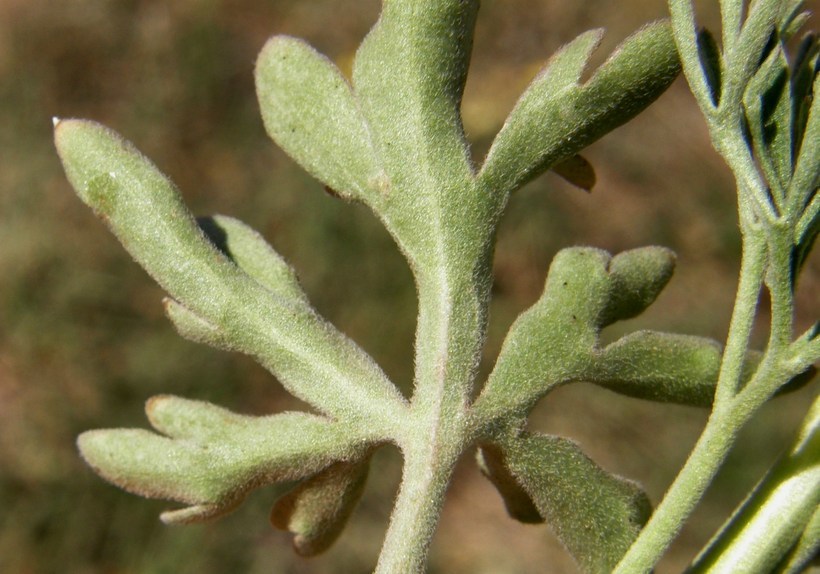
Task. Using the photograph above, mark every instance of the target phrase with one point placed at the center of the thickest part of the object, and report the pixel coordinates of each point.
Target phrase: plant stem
(771, 520)
(740, 328)
(449, 337)
(720, 431)
(685, 492)
(425, 476)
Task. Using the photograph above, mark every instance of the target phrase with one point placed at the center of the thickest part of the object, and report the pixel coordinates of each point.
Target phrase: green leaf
(260, 312)
(660, 367)
(491, 461)
(556, 117)
(311, 112)
(804, 71)
(249, 250)
(595, 514)
(555, 341)
(794, 17)
(807, 167)
(551, 342)
(191, 326)
(637, 278)
(210, 457)
(530, 140)
(635, 75)
(768, 106)
(409, 74)
(806, 549)
(317, 510)
(770, 522)
(750, 49)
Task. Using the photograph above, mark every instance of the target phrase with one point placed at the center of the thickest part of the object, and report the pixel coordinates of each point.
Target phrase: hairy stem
(685, 492)
(428, 467)
(719, 433)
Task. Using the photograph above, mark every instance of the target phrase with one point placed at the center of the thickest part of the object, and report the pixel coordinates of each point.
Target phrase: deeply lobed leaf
(556, 341)
(556, 116)
(248, 302)
(209, 458)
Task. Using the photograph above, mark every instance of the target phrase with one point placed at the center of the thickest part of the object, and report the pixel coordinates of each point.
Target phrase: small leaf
(661, 367)
(551, 342)
(637, 278)
(194, 328)
(793, 19)
(144, 210)
(635, 75)
(807, 167)
(490, 458)
(249, 250)
(595, 514)
(210, 458)
(529, 143)
(310, 111)
(576, 170)
(409, 74)
(768, 106)
(804, 71)
(806, 551)
(556, 117)
(768, 524)
(317, 510)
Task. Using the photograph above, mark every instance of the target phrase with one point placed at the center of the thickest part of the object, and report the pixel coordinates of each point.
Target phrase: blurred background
(83, 341)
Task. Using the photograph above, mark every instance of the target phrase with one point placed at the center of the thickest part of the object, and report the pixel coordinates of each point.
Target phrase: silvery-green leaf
(208, 458)
(551, 342)
(769, 523)
(637, 277)
(316, 510)
(409, 74)
(556, 117)
(525, 146)
(249, 250)
(768, 106)
(194, 328)
(312, 359)
(660, 367)
(311, 112)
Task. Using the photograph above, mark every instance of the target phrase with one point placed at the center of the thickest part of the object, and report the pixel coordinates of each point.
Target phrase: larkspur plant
(393, 140)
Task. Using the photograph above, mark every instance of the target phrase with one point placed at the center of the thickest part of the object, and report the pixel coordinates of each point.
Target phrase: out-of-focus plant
(393, 140)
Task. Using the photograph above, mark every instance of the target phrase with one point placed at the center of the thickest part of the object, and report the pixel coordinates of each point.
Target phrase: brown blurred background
(83, 342)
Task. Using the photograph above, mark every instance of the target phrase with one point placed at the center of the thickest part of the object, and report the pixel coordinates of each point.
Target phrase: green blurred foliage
(83, 342)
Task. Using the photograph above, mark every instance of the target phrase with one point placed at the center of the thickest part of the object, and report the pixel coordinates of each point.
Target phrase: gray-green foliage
(762, 112)
(392, 139)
